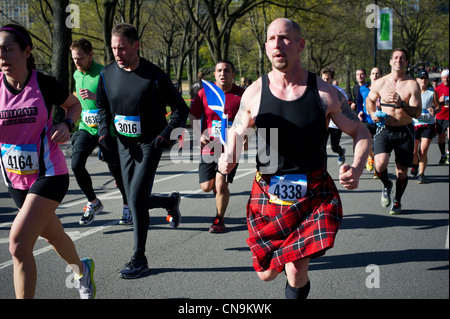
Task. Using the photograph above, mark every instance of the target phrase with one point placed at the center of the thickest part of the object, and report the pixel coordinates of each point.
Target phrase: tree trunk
(60, 50)
(108, 19)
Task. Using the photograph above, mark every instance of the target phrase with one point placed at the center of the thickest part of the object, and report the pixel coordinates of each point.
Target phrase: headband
(17, 33)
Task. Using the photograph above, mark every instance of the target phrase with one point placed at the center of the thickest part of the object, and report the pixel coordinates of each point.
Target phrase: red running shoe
(218, 226)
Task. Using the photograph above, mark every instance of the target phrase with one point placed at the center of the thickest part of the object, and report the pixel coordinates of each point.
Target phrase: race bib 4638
(90, 117)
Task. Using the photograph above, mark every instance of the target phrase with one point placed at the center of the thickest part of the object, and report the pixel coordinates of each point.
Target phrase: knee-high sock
(384, 178)
(400, 186)
(297, 293)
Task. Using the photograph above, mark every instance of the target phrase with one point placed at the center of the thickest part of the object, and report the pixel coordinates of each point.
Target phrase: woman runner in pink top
(32, 164)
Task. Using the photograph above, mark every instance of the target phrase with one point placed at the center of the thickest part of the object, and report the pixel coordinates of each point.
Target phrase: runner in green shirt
(86, 88)
(85, 140)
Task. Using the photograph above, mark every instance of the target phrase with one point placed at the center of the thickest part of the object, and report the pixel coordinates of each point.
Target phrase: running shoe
(443, 160)
(90, 211)
(134, 269)
(173, 213)
(396, 208)
(218, 226)
(421, 179)
(86, 286)
(369, 164)
(341, 157)
(127, 218)
(447, 159)
(386, 196)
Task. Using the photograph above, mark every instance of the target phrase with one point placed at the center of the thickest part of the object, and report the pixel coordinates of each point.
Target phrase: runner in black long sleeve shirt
(134, 93)
(143, 92)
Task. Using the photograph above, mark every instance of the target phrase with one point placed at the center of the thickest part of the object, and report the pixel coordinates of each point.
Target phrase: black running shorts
(51, 187)
(425, 131)
(441, 126)
(208, 171)
(399, 139)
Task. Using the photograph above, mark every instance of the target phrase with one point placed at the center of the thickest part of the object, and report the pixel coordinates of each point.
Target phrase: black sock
(297, 293)
(442, 148)
(384, 178)
(139, 256)
(400, 186)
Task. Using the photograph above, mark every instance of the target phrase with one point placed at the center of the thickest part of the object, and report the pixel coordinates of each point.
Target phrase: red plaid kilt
(280, 234)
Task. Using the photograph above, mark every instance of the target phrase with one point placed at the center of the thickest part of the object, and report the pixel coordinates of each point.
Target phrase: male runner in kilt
(282, 233)
(294, 210)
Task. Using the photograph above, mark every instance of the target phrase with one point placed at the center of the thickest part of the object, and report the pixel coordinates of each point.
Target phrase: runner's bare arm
(414, 106)
(342, 115)
(372, 97)
(236, 134)
(436, 103)
(72, 107)
(61, 132)
(203, 137)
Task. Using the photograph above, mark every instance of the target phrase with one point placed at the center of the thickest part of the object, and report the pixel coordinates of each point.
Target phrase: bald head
(288, 24)
(284, 44)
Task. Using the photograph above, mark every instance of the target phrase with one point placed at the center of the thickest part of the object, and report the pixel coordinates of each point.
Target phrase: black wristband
(70, 124)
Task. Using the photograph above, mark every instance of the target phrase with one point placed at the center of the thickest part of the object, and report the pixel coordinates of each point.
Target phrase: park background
(184, 37)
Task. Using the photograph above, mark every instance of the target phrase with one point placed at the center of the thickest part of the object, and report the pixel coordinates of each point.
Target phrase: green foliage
(335, 32)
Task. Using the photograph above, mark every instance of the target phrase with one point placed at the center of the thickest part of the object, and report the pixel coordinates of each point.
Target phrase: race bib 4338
(287, 189)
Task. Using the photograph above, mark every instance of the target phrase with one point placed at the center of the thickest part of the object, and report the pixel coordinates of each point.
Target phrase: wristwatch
(70, 124)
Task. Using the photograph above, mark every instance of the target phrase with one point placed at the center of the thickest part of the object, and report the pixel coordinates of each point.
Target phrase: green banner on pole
(384, 35)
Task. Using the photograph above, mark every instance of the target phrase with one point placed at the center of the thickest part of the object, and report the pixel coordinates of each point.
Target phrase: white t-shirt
(331, 124)
(425, 117)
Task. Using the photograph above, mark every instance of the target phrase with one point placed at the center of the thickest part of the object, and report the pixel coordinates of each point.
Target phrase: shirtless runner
(399, 99)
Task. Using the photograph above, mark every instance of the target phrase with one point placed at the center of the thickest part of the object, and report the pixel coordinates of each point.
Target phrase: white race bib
(20, 159)
(128, 125)
(90, 117)
(287, 189)
(216, 128)
(425, 116)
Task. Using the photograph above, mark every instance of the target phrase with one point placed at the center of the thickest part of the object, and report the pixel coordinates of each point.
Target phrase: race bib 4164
(20, 159)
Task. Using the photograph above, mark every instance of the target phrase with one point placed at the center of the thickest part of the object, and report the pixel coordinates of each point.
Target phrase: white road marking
(446, 241)
(75, 235)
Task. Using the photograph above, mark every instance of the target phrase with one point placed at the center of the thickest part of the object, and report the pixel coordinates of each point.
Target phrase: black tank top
(301, 127)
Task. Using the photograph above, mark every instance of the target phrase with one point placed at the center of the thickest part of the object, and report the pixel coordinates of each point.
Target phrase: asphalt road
(376, 256)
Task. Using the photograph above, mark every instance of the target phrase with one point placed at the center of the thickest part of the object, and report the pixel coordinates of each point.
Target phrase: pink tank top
(27, 150)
